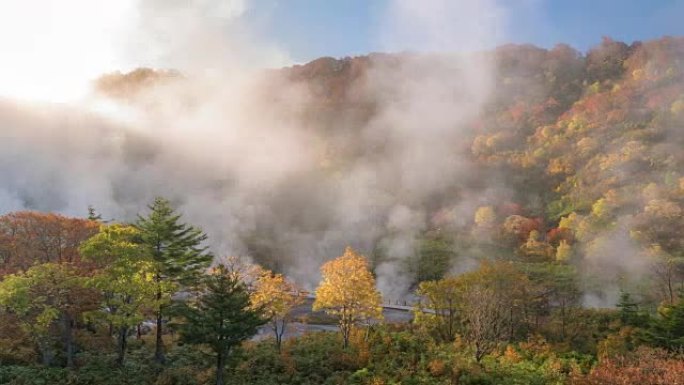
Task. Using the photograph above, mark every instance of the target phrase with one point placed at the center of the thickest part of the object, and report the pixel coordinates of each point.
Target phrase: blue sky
(312, 28)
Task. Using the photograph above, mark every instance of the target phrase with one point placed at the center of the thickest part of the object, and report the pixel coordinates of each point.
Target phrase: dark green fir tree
(221, 317)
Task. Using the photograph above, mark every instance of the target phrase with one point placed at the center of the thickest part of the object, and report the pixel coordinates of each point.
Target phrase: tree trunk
(450, 326)
(345, 335)
(479, 353)
(68, 340)
(159, 345)
(455, 376)
(345, 327)
(45, 353)
(562, 320)
(123, 343)
(511, 329)
(279, 330)
(220, 365)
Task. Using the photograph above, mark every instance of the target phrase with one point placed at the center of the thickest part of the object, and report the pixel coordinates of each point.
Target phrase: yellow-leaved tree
(348, 291)
(277, 296)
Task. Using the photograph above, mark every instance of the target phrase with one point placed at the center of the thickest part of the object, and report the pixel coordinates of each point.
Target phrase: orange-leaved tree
(28, 238)
(348, 291)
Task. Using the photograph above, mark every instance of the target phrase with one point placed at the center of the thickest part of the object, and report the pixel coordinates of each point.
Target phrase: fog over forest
(191, 193)
(392, 153)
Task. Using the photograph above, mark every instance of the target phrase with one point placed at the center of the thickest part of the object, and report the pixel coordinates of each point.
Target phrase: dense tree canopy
(125, 279)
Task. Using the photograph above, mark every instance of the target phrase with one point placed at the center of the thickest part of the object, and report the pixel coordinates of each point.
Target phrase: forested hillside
(526, 203)
(575, 159)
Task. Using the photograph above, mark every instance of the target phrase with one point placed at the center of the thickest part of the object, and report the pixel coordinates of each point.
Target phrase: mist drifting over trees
(523, 203)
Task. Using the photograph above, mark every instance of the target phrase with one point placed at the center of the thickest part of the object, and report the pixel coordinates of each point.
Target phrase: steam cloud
(231, 146)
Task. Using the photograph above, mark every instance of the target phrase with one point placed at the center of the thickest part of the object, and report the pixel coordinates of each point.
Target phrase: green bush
(33, 375)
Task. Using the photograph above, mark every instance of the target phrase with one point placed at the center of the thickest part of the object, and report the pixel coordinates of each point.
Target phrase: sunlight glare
(51, 50)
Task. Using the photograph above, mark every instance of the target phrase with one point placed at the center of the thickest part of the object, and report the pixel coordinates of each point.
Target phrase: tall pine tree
(178, 254)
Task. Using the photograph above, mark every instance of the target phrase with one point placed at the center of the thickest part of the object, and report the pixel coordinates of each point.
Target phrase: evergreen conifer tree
(630, 315)
(178, 255)
(667, 330)
(222, 317)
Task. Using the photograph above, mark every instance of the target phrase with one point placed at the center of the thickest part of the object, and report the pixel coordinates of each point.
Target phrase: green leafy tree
(126, 279)
(46, 297)
(222, 316)
(563, 292)
(438, 309)
(435, 254)
(178, 257)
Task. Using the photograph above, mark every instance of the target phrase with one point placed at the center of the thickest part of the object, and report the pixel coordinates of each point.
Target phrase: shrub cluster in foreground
(382, 356)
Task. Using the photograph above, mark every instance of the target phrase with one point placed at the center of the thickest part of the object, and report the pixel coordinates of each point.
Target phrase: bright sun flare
(52, 49)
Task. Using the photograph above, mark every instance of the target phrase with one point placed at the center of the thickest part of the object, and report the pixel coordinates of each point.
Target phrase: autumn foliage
(276, 296)
(513, 284)
(28, 238)
(645, 366)
(348, 291)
